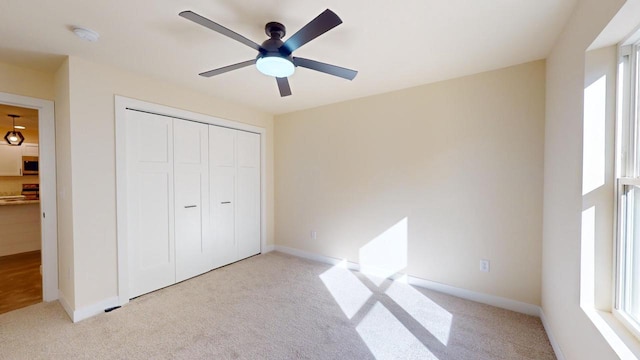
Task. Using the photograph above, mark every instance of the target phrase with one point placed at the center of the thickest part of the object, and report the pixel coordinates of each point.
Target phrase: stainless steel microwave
(29, 165)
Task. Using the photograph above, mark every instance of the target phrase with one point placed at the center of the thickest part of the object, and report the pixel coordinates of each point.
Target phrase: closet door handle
(190, 206)
(225, 202)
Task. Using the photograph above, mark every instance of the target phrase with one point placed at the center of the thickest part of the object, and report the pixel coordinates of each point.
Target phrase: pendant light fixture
(14, 137)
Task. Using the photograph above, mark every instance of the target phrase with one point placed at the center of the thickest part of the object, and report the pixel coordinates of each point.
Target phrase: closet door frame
(122, 104)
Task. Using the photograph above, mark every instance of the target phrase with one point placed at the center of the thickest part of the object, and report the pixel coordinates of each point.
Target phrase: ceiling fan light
(275, 66)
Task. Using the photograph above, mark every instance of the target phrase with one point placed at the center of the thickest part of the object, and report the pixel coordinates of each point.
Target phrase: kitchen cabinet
(25, 237)
(10, 160)
(29, 149)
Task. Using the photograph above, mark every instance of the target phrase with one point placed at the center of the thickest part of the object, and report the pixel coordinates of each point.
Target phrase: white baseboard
(87, 311)
(268, 248)
(94, 309)
(552, 340)
(316, 257)
(492, 300)
(65, 305)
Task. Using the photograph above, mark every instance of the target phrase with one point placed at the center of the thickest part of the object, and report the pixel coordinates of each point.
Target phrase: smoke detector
(86, 34)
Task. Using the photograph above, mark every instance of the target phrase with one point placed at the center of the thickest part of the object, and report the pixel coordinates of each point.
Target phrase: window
(627, 299)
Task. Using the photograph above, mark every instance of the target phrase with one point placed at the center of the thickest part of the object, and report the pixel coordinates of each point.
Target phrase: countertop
(18, 202)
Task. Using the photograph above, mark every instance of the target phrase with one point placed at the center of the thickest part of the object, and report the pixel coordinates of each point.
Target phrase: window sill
(625, 344)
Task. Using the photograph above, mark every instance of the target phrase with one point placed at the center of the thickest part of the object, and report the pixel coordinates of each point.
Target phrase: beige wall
(461, 160)
(66, 269)
(563, 200)
(26, 82)
(92, 90)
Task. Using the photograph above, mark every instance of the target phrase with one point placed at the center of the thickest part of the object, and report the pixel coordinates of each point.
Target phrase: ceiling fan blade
(198, 19)
(283, 86)
(223, 70)
(316, 27)
(325, 68)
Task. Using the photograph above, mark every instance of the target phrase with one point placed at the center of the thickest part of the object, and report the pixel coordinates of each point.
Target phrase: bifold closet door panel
(222, 177)
(194, 244)
(248, 194)
(150, 231)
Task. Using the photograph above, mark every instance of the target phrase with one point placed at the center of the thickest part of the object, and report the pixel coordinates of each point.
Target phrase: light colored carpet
(276, 306)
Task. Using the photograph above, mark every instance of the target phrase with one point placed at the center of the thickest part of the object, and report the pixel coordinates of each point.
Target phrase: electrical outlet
(484, 265)
(314, 235)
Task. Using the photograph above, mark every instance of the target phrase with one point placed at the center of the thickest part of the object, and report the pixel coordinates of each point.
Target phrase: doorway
(46, 191)
(21, 238)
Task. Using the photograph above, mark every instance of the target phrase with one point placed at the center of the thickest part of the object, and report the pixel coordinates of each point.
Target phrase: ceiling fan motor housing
(275, 30)
(273, 45)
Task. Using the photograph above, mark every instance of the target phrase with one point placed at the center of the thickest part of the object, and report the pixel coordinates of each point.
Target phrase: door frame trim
(122, 104)
(48, 201)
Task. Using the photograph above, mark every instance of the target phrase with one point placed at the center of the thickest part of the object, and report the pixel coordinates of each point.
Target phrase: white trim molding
(95, 309)
(47, 158)
(554, 344)
(316, 257)
(497, 301)
(492, 300)
(65, 304)
(268, 249)
(615, 333)
(87, 311)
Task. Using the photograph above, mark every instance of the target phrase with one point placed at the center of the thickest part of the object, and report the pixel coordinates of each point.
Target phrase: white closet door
(194, 247)
(248, 194)
(150, 202)
(222, 176)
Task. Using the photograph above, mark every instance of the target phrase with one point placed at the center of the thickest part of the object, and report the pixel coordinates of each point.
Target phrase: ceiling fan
(275, 56)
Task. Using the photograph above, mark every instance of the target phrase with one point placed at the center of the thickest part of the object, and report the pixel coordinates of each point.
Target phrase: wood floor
(20, 281)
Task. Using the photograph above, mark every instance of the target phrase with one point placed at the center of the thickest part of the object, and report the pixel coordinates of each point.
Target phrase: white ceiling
(393, 44)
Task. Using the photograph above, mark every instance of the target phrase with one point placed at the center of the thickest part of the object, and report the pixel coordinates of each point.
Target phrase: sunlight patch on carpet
(387, 338)
(430, 315)
(346, 289)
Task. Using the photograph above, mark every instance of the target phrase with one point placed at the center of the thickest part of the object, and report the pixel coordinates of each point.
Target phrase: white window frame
(627, 171)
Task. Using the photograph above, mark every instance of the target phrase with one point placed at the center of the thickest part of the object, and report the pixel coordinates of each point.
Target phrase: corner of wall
(64, 188)
(554, 344)
(568, 327)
